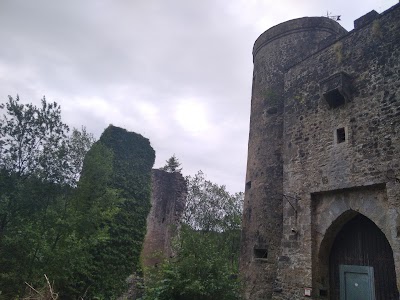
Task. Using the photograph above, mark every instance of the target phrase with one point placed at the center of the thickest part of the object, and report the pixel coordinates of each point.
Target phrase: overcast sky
(176, 71)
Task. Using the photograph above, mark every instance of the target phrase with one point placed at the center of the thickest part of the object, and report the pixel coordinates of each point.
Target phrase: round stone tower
(275, 51)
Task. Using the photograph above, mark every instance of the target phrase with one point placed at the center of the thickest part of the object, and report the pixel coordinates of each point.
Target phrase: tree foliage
(79, 215)
(207, 248)
(210, 207)
(83, 230)
(172, 165)
(79, 143)
(34, 142)
(32, 139)
(37, 175)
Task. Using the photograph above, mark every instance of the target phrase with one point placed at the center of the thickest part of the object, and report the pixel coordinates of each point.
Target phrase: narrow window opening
(340, 135)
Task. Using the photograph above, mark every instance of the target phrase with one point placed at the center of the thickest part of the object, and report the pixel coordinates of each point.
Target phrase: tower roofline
(296, 26)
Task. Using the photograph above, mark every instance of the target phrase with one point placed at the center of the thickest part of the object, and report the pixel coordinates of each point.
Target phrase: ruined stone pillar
(168, 198)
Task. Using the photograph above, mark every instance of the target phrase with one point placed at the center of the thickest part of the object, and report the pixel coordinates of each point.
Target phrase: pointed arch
(354, 239)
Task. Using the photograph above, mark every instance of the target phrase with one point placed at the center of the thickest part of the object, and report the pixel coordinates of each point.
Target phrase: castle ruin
(168, 198)
(321, 215)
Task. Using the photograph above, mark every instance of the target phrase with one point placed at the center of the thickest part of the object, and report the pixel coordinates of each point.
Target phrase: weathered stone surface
(365, 19)
(168, 199)
(313, 166)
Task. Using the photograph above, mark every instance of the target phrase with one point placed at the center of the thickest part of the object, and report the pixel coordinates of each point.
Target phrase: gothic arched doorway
(361, 243)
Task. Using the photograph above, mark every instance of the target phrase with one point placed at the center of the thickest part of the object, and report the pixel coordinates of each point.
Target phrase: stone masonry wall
(325, 179)
(324, 146)
(274, 51)
(168, 199)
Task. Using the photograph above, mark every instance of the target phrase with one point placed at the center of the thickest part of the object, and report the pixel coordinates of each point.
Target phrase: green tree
(39, 166)
(172, 165)
(33, 140)
(210, 207)
(207, 248)
(79, 143)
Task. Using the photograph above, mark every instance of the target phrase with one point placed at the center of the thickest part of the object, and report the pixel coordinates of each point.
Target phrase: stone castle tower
(322, 202)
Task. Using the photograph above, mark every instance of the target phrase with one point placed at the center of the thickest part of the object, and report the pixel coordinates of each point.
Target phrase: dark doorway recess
(360, 242)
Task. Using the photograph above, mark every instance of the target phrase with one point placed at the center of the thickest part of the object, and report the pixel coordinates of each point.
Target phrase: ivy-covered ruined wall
(133, 159)
(122, 162)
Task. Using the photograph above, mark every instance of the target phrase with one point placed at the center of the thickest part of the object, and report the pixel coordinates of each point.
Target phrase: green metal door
(356, 282)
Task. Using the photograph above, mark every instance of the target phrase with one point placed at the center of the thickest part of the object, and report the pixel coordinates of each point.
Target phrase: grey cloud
(132, 63)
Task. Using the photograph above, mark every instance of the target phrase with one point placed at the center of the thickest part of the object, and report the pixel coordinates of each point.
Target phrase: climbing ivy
(116, 257)
(84, 235)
